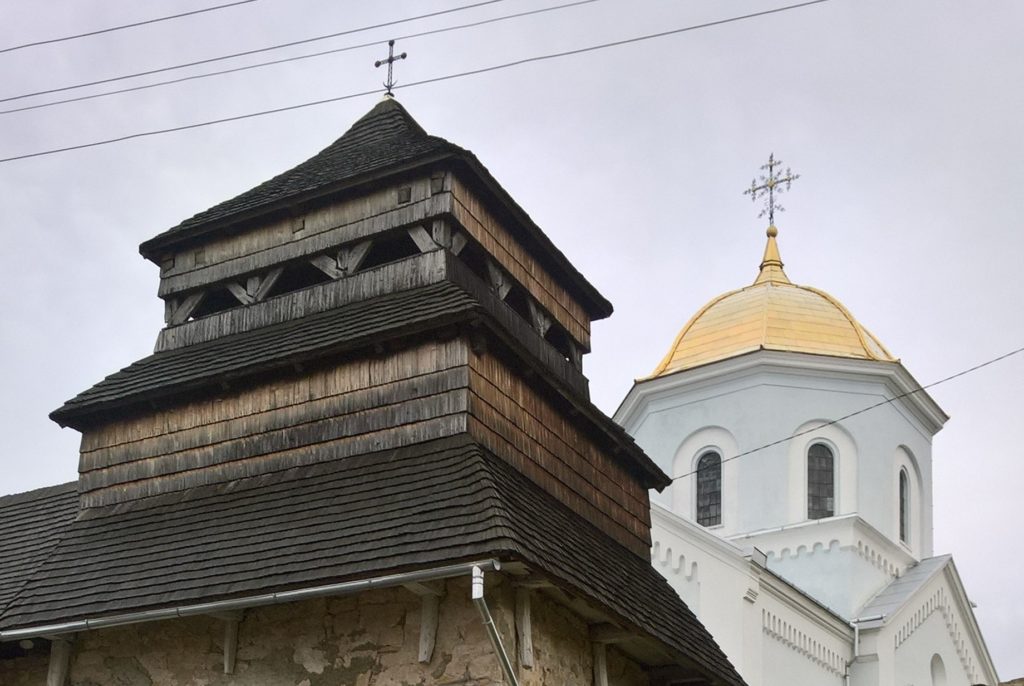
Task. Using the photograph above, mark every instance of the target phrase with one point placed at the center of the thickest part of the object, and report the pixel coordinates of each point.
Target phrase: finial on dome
(769, 187)
(771, 263)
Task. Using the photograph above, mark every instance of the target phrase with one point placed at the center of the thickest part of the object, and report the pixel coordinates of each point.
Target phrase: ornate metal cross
(392, 58)
(770, 185)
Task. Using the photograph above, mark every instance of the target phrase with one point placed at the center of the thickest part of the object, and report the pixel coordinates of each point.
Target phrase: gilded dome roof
(771, 314)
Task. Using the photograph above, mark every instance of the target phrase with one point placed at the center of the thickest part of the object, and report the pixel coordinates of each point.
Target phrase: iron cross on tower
(390, 61)
(770, 185)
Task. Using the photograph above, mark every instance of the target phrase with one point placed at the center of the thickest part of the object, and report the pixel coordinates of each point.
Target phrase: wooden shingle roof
(385, 142)
(280, 345)
(434, 503)
(384, 138)
(31, 523)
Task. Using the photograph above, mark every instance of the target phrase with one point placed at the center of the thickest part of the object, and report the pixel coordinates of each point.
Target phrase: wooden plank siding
(316, 231)
(516, 423)
(358, 406)
(412, 272)
(479, 223)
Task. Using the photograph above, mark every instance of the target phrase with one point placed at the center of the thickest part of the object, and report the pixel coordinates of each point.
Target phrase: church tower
(758, 411)
(369, 393)
(798, 525)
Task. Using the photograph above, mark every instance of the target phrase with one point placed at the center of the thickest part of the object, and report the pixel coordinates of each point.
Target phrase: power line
(124, 26)
(245, 53)
(887, 401)
(436, 79)
(296, 58)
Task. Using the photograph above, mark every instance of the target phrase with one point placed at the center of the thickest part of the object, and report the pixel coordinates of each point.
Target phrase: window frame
(714, 518)
(813, 512)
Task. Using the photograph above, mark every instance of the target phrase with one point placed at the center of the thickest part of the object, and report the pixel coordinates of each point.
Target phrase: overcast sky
(903, 118)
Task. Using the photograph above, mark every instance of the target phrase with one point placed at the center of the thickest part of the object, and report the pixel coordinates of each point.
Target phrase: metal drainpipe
(855, 625)
(343, 588)
(492, 631)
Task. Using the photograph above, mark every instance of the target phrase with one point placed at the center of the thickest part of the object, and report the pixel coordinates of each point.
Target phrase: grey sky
(902, 117)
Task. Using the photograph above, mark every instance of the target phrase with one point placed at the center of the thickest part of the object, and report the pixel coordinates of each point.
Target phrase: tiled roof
(279, 345)
(433, 503)
(30, 526)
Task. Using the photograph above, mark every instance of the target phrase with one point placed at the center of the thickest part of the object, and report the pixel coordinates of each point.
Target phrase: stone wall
(371, 639)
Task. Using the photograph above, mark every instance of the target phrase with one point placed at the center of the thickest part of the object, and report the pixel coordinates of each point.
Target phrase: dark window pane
(709, 489)
(820, 482)
(904, 506)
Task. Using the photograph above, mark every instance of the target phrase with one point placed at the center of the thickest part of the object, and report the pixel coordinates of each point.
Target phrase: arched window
(904, 506)
(938, 671)
(821, 482)
(709, 489)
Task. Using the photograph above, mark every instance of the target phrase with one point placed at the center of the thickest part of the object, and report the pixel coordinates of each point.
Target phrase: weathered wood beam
(459, 241)
(575, 355)
(60, 660)
(328, 265)
(500, 281)
(524, 630)
(430, 593)
(347, 261)
(600, 664)
(230, 644)
(267, 282)
(533, 581)
(240, 292)
(540, 319)
(422, 238)
(178, 311)
(442, 233)
(350, 258)
(231, 621)
(609, 633)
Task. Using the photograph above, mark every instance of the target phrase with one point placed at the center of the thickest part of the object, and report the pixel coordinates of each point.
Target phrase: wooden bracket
(524, 630)
(178, 311)
(422, 238)
(541, 320)
(600, 664)
(430, 594)
(347, 262)
(60, 660)
(500, 281)
(231, 621)
(575, 355)
(256, 287)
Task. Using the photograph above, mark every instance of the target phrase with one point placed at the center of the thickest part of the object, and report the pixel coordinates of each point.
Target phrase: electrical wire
(887, 401)
(296, 58)
(255, 51)
(412, 84)
(48, 41)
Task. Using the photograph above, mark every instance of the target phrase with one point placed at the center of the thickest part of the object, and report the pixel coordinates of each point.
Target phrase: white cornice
(895, 376)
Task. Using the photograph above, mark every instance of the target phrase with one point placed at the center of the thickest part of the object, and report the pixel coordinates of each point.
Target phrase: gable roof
(893, 597)
(31, 524)
(443, 501)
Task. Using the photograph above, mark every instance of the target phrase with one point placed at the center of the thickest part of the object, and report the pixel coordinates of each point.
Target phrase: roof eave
(153, 248)
(598, 307)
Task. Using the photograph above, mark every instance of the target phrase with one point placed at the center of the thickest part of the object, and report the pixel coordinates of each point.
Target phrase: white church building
(799, 525)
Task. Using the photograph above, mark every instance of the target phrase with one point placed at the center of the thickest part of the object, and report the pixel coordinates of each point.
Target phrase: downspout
(492, 631)
(855, 625)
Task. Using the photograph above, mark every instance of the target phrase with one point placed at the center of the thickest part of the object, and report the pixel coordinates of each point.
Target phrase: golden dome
(771, 314)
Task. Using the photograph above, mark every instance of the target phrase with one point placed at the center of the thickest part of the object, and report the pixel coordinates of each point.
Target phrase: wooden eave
(487, 315)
